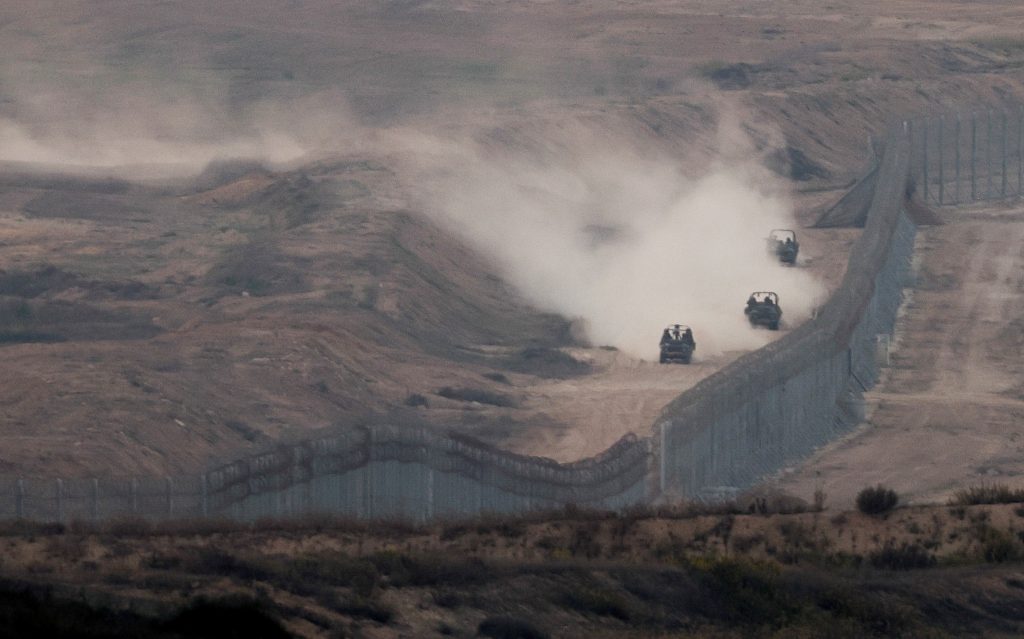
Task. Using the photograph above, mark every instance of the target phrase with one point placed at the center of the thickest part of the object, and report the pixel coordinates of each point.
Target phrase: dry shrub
(819, 499)
(505, 627)
(358, 606)
(997, 546)
(128, 527)
(477, 395)
(327, 522)
(797, 534)
(213, 561)
(447, 599)
(160, 561)
(415, 399)
(743, 544)
(198, 526)
(81, 527)
(741, 590)
(876, 500)
(987, 494)
(30, 528)
(904, 557)
(67, 549)
(497, 377)
(403, 570)
(507, 526)
(598, 601)
(546, 362)
(584, 541)
(575, 512)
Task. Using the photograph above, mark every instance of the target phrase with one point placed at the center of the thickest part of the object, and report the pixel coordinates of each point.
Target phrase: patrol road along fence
(778, 403)
(766, 409)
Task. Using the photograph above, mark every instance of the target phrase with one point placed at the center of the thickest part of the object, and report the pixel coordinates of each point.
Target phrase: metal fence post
(942, 178)
(429, 511)
(924, 158)
(1002, 142)
(206, 510)
(95, 499)
(60, 501)
(908, 126)
(19, 504)
(663, 436)
(367, 480)
(170, 496)
(988, 155)
(956, 151)
(1020, 151)
(974, 156)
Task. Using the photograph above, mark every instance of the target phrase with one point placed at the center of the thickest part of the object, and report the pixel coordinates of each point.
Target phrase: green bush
(876, 500)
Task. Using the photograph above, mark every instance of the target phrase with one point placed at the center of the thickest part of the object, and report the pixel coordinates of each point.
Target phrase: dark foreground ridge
(721, 571)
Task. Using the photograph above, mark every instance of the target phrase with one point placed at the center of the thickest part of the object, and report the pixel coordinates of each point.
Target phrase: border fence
(961, 158)
(780, 402)
(764, 410)
(373, 472)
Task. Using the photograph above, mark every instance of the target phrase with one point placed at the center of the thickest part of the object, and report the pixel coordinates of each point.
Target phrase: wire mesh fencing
(977, 156)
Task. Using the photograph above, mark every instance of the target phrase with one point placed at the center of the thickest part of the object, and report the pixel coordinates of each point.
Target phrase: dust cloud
(131, 155)
(147, 129)
(585, 222)
(608, 232)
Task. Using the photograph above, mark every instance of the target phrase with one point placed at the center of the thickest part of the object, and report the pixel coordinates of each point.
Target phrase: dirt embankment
(204, 326)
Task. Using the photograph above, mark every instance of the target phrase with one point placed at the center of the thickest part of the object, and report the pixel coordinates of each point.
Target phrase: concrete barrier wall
(746, 421)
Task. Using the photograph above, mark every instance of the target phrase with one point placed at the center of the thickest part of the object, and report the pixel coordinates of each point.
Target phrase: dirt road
(949, 411)
(624, 395)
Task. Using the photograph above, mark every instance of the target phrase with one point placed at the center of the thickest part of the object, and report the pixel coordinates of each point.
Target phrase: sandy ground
(625, 395)
(949, 411)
